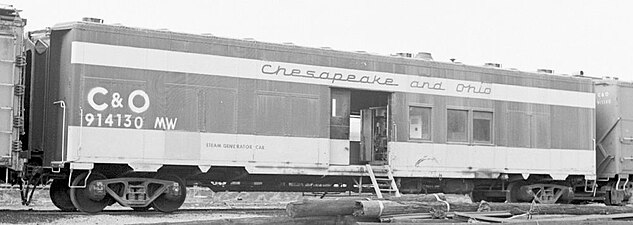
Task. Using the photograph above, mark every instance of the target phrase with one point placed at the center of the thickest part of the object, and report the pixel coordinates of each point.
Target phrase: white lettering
(159, 123)
(171, 123)
(133, 107)
(99, 120)
(165, 123)
(91, 98)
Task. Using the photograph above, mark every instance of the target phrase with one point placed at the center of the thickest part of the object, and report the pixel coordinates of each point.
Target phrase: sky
(595, 37)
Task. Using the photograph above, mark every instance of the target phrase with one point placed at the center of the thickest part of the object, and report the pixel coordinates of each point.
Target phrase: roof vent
(207, 34)
(404, 54)
(453, 60)
(495, 65)
(288, 43)
(326, 48)
(249, 39)
(549, 71)
(92, 20)
(362, 52)
(424, 55)
(578, 73)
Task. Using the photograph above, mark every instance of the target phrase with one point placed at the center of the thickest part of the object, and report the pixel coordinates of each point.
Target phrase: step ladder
(383, 184)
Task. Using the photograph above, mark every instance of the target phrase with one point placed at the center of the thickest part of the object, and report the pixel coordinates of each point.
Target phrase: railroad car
(614, 143)
(112, 114)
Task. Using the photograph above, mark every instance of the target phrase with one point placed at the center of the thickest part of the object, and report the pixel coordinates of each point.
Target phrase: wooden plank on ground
(314, 220)
(402, 217)
(383, 208)
(484, 218)
(344, 206)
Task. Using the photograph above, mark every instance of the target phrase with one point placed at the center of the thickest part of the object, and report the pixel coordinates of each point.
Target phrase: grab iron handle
(62, 104)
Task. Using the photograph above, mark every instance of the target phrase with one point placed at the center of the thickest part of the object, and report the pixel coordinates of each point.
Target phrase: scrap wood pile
(435, 207)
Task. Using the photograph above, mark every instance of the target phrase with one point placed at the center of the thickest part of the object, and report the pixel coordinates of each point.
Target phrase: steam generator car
(112, 114)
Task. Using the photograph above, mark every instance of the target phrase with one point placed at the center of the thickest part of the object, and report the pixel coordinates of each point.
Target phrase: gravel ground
(136, 218)
(201, 205)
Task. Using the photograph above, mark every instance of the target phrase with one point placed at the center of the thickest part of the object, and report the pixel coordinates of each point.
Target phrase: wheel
(60, 195)
(628, 193)
(613, 196)
(169, 201)
(82, 198)
(566, 198)
(517, 193)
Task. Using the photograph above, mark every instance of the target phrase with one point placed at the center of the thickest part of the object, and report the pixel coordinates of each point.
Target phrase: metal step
(386, 184)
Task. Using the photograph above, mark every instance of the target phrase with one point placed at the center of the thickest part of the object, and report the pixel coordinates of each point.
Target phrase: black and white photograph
(316, 112)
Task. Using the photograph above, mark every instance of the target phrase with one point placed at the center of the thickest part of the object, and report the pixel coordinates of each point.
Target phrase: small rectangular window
(340, 105)
(457, 125)
(420, 123)
(482, 127)
(354, 127)
(333, 107)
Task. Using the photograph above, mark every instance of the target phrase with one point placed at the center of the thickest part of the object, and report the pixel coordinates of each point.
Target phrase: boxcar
(118, 112)
(614, 143)
(12, 91)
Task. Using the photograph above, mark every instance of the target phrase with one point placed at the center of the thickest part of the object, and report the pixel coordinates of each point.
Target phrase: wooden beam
(384, 208)
(344, 206)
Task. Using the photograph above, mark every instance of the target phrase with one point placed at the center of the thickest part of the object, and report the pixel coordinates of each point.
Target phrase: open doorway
(361, 117)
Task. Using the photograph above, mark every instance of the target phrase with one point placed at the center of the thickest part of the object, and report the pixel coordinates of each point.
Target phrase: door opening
(374, 135)
(362, 118)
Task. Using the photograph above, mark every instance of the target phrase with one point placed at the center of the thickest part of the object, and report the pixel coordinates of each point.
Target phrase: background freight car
(614, 143)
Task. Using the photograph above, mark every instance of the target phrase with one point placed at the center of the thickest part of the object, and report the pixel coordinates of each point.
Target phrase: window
(420, 123)
(457, 125)
(482, 127)
(334, 107)
(340, 104)
(354, 127)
